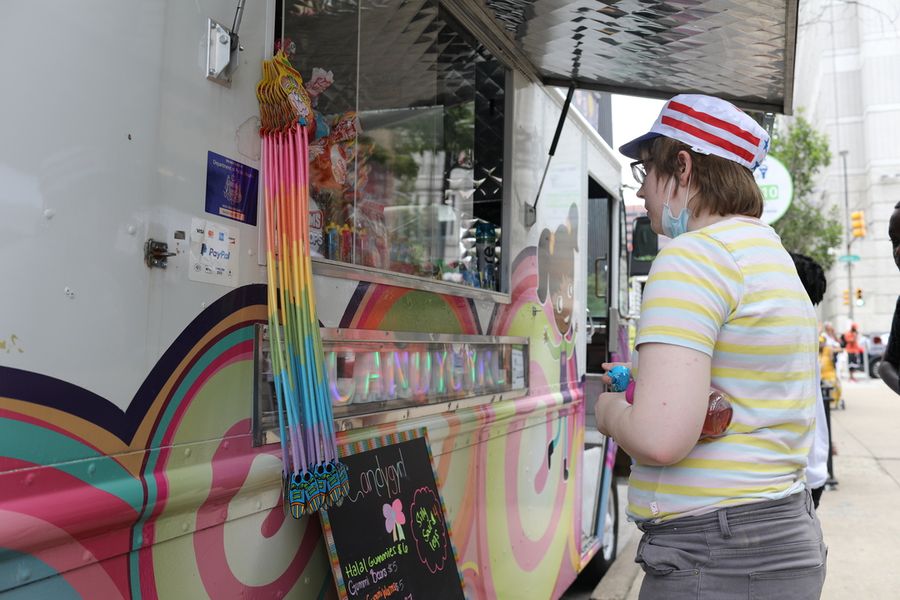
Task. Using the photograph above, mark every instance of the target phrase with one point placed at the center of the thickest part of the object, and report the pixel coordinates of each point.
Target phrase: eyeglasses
(639, 170)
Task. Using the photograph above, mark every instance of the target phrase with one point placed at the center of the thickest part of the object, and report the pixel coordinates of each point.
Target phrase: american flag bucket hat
(708, 125)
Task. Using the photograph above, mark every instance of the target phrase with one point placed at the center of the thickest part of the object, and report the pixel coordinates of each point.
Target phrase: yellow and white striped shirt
(730, 290)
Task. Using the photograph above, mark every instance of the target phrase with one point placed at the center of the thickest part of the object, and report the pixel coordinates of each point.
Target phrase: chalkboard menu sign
(389, 539)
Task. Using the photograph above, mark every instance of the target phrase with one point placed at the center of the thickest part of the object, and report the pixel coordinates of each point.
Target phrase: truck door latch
(156, 254)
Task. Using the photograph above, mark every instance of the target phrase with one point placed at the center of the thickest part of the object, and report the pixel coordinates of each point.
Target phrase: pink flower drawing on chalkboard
(394, 519)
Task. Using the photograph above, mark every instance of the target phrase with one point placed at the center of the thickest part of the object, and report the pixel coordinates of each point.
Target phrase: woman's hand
(607, 366)
(671, 397)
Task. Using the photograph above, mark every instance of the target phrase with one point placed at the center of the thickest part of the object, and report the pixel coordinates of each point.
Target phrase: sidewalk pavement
(859, 518)
(623, 580)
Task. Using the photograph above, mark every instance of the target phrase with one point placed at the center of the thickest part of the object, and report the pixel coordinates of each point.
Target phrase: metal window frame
(267, 433)
(340, 270)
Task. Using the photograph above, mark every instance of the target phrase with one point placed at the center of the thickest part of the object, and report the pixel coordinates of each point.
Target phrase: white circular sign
(777, 188)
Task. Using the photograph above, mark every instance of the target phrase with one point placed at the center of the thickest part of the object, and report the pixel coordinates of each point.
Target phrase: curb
(618, 581)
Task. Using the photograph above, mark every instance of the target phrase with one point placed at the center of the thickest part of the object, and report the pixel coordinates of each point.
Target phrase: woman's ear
(685, 164)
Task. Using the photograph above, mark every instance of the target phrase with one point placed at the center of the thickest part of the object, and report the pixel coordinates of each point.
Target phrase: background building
(847, 83)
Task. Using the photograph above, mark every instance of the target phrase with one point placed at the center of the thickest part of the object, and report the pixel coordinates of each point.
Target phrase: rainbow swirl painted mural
(170, 498)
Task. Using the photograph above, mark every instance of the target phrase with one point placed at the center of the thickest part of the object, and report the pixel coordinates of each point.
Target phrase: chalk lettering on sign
(429, 529)
(398, 549)
(383, 481)
(379, 551)
(354, 586)
(354, 569)
(385, 592)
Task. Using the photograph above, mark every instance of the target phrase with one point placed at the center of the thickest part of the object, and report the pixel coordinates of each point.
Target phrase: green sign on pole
(777, 188)
(852, 258)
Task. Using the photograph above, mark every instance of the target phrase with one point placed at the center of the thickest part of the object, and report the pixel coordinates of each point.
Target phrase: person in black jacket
(890, 362)
(820, 470)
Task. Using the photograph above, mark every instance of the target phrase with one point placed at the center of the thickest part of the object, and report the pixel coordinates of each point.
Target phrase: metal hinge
(156, 254)
(222, 48)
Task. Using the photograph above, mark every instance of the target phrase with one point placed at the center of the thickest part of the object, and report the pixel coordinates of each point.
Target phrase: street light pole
(847, 238)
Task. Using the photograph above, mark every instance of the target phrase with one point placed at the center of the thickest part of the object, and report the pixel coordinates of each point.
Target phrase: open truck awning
(739, 50)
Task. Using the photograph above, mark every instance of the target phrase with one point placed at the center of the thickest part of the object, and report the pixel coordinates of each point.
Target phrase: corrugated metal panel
(740, 50)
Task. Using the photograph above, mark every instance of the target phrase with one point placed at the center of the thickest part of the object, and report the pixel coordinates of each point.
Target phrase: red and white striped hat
(709, 126)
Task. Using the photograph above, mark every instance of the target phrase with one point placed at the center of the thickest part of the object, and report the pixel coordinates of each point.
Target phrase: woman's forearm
(648, 447)
(658, 429)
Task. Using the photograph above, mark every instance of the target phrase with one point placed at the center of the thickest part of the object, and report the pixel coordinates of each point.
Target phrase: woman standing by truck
(723, 307)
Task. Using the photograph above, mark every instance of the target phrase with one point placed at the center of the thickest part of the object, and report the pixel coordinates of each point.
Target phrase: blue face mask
(675, 226)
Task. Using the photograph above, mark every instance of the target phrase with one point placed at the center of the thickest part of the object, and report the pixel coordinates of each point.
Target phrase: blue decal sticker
(231, 189)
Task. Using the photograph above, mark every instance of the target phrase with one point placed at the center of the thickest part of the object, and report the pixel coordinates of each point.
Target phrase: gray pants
(762, 551)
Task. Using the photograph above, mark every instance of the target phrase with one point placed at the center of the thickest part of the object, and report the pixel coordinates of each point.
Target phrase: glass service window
(622, 300)
(407, 155)
(598, 253)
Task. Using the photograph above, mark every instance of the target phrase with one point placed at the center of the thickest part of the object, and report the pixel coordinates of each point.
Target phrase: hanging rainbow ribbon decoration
(313, 476)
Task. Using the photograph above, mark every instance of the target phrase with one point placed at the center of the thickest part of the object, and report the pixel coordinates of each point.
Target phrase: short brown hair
(725, 187)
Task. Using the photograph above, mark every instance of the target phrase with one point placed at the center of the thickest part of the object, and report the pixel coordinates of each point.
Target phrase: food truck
(468, 265)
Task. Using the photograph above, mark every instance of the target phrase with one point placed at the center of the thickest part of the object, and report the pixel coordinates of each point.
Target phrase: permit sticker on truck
(231, 189)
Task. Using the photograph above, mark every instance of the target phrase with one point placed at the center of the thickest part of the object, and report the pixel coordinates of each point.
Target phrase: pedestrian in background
(819, 471)
(831, 340)
(853, 349)
(722, 307)
(828, 353)
(890, 362)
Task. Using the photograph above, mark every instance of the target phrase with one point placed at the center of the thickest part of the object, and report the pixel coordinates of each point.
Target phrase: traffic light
(858, 223)
(846, 297)
(859, 297)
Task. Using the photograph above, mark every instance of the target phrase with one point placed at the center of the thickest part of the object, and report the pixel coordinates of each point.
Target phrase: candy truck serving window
(406, 164)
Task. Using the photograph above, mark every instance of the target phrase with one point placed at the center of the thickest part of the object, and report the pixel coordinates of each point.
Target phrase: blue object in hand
(620, 375)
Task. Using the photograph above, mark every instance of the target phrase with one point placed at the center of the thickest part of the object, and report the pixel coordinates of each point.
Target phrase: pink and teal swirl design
(170, 499)
(146, 503)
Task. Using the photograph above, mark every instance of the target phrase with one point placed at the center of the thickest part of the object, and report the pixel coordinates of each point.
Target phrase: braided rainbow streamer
(314, 478)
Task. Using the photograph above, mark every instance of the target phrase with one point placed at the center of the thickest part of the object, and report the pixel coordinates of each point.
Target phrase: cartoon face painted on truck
(556, 270)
